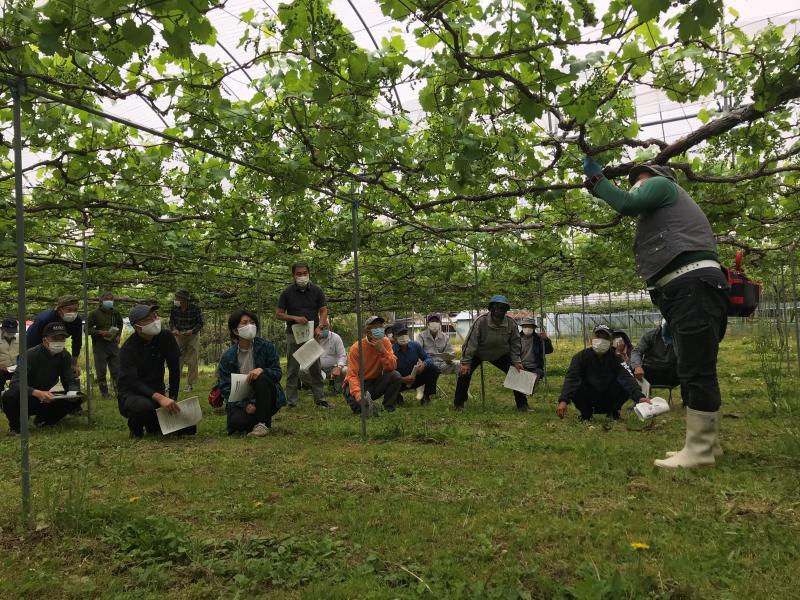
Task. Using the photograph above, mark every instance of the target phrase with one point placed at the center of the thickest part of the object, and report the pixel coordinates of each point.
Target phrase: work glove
(591, 168)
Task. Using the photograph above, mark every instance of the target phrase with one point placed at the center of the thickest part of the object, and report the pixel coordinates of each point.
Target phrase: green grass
(487, 503)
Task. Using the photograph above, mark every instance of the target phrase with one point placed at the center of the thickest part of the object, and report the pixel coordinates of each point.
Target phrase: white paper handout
(520, 381)
(308, 354)
(303, 333)
(240, 389)
(445, 356)
(647, 411)
(190, 415)
(645, 385)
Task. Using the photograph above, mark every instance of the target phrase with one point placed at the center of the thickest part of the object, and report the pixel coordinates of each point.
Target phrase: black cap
(183, 294)
(140, 311)
(605, 329)
(55, 328)
(399, 329)
(10, 325)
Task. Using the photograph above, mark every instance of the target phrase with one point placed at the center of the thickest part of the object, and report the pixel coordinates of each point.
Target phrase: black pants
(590, 401)
(47, 413)
(240, 421)
(4, 377)
(141, 413)
(661, 377)
(387, 385)
(696, 307)
(462, 385)
(106, 358)
(429, 377)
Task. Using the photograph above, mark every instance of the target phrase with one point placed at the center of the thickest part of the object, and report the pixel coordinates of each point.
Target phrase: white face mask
(247, 332)
(434, 327)
(527, 330)
(177, 303)
(402, 340)
(69, 317)
(600, 346)
(153, 328)
(55, 347)
(302, 280)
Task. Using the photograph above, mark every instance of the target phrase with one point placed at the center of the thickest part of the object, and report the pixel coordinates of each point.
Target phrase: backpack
(745, 293)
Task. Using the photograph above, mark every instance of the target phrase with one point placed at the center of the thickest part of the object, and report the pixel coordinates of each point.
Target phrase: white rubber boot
(420, 392)
(717, 450)
(701, 431)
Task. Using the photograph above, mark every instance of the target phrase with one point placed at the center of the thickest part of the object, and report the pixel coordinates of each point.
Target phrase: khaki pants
(189, 345)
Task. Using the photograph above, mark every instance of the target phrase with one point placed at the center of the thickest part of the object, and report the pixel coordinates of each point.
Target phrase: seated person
(380, 375)
(654, 357)
(48, 363)
(410, 355)
(142, 359)
(534, 347)
(9, 349)
(435, 342)
(258, 358)
(597, 382)
(493, 337)
(622, 346)
(333, 362)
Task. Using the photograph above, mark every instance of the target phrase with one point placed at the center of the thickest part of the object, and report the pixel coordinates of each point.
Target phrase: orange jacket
(375, 364)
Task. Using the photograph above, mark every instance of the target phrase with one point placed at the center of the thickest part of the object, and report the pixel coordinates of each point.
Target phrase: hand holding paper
(190, 414)
(520, 381)
(657, 406)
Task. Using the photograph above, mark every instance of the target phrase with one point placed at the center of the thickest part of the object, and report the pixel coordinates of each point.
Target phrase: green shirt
(654, 193)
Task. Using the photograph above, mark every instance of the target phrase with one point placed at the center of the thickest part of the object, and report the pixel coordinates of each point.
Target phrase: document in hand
(445, 356)
(647, 411)
(303, 333)
(240, 389)
(71, 395)
(308, 354)
(190, 415)
(520, 381)
(112, 332)
(645, 385)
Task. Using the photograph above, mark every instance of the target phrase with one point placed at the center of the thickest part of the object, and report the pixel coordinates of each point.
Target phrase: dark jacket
(598, 372)
(141, 365)
(35, 331)
(653, 353)
(101, 319)
(407, 359)
(44, 371)
(532, 355)
(264, 357)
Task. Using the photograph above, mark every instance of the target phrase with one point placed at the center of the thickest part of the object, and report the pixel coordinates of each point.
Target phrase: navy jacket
(34, 335)
(406, 360)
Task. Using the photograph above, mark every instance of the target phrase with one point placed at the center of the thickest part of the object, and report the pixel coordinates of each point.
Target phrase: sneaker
(425, 400)
(523, 408)
(458, 407)
(390, 408)
(400, 401)
(188, 387)
(324, 404)
(135, 434)
(260, 430)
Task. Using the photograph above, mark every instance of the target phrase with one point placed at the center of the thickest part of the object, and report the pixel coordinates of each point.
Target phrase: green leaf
(649, 9)
(137, 36)
(179, 42)
(428, 41)
(530, 110)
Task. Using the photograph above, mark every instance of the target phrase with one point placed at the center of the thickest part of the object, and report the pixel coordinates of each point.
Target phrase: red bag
(745, 293)
(215, 397)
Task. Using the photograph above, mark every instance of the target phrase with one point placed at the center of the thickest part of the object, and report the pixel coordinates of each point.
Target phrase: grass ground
(487, 503)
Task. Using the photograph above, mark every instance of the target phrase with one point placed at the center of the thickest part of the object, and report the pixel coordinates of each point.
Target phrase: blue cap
(499, 299)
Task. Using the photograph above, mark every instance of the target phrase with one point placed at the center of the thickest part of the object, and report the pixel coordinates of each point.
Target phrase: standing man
(186, 321)
(104, 324)
(9, 349)
(142, 359)
(494, 338)
(534, 347)
(66, 312)
(299, 304)
(676, 254)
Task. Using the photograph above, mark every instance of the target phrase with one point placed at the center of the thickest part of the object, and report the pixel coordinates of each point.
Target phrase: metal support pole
(609, 304)
(477, 312)
(583, 312)
(784, 330)
(360, 333)
(542, 315)
(86, 323)
(794, 305)
(17, 90)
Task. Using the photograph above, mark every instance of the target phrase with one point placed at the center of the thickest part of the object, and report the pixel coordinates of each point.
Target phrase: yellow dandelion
(258, 504)
(640, 546)
(133, 499)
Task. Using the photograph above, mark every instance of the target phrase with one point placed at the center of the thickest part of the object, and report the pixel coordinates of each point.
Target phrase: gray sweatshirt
(489, 341)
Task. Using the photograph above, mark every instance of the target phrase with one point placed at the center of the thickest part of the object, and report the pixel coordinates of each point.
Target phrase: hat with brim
(655, 170)
(528, 322)
(54, 329)
(430, 318)
(374, 319)
(603, 329)
(67, 301)
(140, 311)
(399, 330)
(10, 325)
(183, 295)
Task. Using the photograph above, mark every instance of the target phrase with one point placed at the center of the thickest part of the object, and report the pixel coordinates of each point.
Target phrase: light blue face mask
(666, 334)
(108, 304)
(324, 333)
(378, 333)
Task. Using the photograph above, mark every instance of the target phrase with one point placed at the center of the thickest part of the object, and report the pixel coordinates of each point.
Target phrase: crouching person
(379, 362)
(48, 363)
(142, 361)
(256, 357)
(597, 382)
(410, 356)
